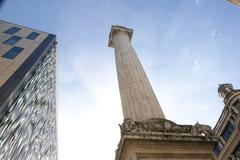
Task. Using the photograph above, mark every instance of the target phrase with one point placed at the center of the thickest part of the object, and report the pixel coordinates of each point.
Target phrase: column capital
(116, 28)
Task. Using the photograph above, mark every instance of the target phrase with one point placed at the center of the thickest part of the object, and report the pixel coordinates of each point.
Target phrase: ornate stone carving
(161, 126)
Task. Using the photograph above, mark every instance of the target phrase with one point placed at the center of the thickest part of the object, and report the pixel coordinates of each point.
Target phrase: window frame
(12, 30)
(229, 129)
(33, 35)
(12, 53)
(218, 148)
(12, 40)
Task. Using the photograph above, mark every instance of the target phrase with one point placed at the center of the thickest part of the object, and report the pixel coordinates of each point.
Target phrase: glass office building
(27, 93)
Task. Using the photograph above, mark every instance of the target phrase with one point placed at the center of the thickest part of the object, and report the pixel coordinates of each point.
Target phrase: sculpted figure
(167, 126)
(176, 129)
(203, 129)
(206, 130)
(158, 127)
(128, 125)
(194, 130)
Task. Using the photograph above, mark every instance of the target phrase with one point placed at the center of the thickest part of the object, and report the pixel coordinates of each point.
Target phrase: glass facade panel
(12, 30)
(13, 40)
(32, 35)
(12, 53)
(28, 131)
(228, 131)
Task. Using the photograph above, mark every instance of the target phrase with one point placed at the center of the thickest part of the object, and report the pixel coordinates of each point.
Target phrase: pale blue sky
(187, 48)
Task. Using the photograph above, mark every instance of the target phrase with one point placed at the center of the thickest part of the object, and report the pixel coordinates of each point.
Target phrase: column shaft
(138, 99)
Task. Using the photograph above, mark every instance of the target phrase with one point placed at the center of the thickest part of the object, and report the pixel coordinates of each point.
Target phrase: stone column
(138, 99)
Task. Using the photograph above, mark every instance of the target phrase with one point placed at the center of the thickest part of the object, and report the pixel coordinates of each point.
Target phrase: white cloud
(216, 32)
(196, 65)
(93, 134)
(88, 124)
(197, 1)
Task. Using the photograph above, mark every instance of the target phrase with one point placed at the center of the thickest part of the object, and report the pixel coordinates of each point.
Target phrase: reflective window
(13, 40)
(217, 149)
(12, 30)
(12, 53)
(228, 130)
(32, 35)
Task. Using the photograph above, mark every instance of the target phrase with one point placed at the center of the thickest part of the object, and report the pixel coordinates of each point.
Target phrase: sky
(187, 48)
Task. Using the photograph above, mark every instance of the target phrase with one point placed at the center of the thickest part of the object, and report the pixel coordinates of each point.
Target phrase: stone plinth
(160, 139)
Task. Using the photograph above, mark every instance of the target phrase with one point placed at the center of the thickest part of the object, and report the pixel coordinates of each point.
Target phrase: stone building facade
(27, 93)
(227, 128)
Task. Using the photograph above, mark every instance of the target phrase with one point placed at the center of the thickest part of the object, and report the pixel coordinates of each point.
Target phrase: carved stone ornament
(160, 126)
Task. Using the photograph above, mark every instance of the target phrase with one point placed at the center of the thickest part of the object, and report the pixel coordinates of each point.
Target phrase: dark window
(217, 149)
(236, 152)
(11, 41)
(12, 30)
(12, 53)
(228, 130)
(32, 35)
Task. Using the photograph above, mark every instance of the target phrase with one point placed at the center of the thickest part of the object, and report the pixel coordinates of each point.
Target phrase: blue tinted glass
(12, 30)
(12, 53)
(217, 149)
(32, 35)
(11, 41)
(228, 131)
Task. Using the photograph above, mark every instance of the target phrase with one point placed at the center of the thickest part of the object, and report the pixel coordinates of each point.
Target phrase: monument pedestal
(161, 139)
